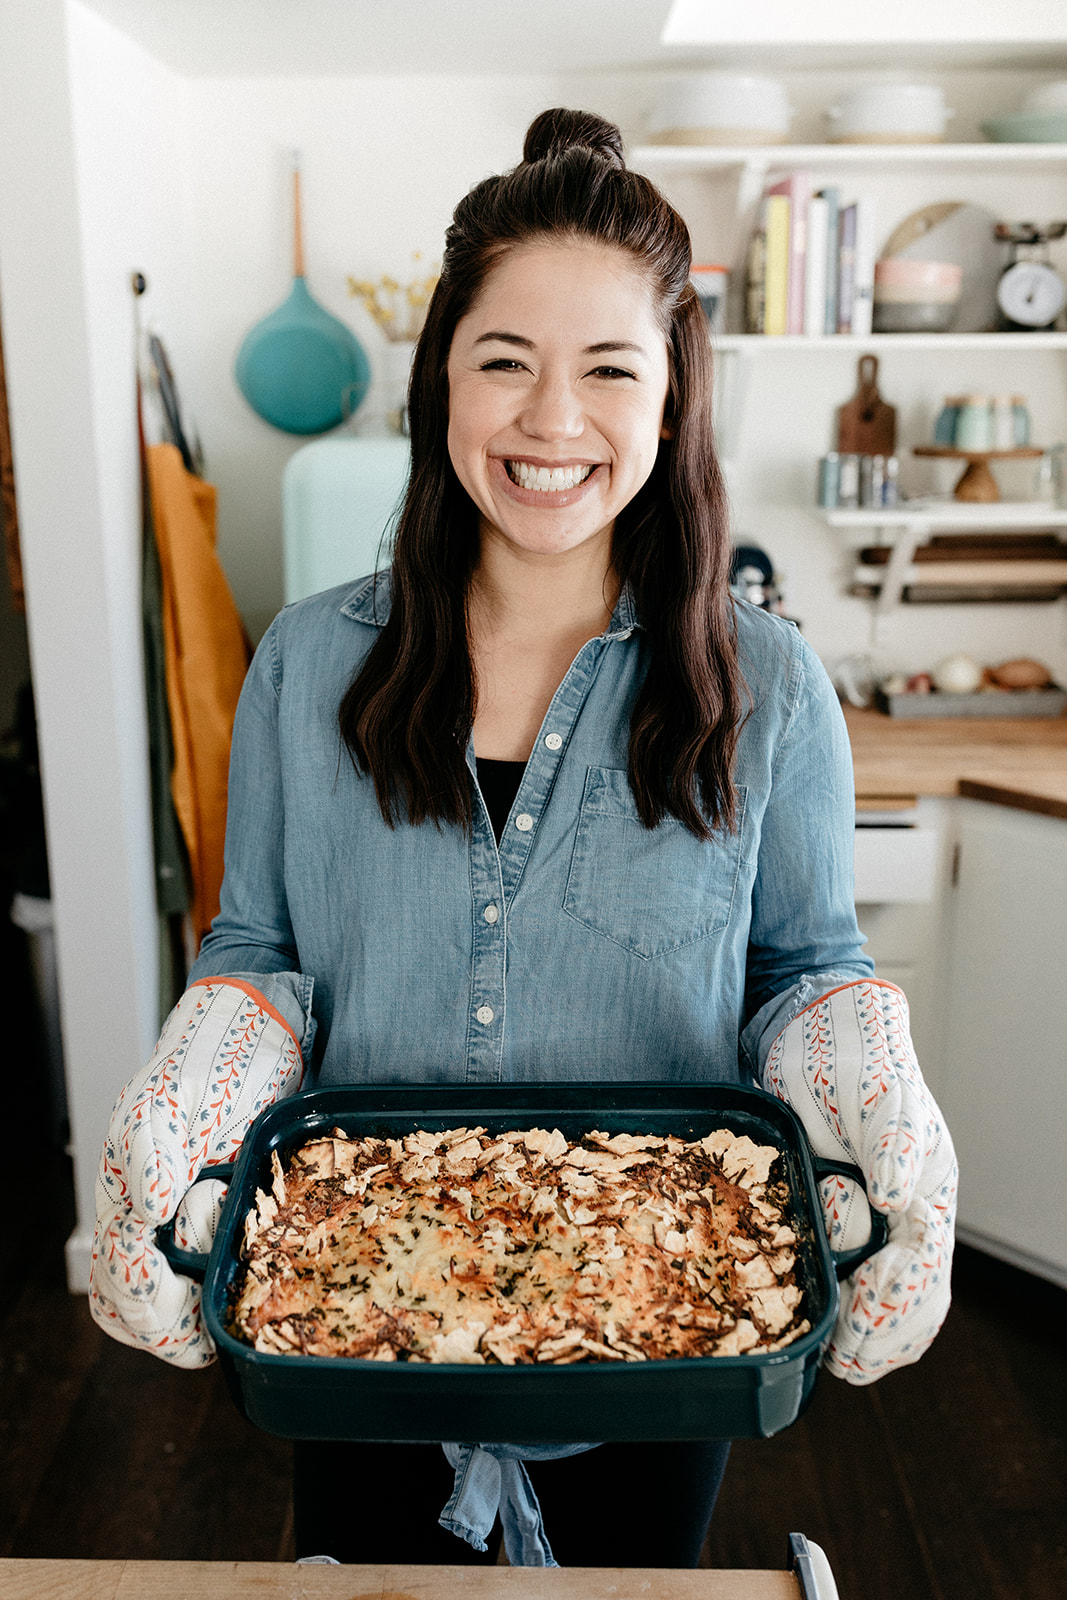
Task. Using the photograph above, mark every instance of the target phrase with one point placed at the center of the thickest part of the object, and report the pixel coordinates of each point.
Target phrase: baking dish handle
(193, 1263)
(846, 1261)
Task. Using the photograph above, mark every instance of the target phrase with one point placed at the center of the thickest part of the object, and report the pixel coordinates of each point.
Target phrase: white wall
(88, 186)
(383, 161)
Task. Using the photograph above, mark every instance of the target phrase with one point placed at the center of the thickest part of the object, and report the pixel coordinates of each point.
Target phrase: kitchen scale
(1031, 293)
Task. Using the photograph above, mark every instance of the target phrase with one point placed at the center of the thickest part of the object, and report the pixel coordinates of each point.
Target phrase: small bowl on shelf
(889, 113)
(1042, 125)
(1047, 97)
(915, 296)
(726, 108)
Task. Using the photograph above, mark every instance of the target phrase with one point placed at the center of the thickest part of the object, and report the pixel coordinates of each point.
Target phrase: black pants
(621, 1505)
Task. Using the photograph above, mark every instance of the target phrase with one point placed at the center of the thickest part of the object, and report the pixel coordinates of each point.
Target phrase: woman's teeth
(549, 479)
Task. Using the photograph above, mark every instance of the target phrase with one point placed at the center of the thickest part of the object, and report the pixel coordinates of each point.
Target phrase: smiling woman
(551, 420)
(596, 825)
(557, 383)
(551, 274)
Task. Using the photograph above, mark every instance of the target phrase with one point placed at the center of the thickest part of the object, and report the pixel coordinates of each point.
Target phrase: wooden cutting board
(1018, 547)
(260, 1580)
(866, 425)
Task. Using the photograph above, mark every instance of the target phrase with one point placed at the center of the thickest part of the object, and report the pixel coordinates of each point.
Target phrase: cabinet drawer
(895, 865)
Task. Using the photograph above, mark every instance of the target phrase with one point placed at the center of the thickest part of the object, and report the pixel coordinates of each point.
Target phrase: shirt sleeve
(803, 928)
(253, 933)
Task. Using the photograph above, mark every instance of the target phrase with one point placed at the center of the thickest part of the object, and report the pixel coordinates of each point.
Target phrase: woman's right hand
(225, 1053)
(135, 1294)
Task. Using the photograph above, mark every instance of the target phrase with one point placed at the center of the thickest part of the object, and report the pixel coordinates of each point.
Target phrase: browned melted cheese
(461, 1246)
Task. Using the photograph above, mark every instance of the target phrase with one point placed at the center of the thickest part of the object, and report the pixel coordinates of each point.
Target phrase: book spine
(799, 192)
(832, 198)
(816, 267)
(863, 272)
(797, 189)
(756, 279)
(777, 208)
(846, 267)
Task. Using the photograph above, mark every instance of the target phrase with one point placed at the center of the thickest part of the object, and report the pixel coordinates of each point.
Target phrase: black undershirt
(499, 782)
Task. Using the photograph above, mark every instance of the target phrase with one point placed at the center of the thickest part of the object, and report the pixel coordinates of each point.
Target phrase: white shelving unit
(757, 343)
(950, 516)
(703, 157)
(746, 170)
(906, 527)
(751, 164)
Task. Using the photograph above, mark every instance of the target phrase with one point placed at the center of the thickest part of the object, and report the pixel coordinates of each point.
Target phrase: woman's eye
(612, 372)
(501, 364)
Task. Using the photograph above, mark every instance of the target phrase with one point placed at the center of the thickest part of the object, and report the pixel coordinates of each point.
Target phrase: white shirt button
(524, 822)
(484, 1014)
(554, 741)
(491, 913)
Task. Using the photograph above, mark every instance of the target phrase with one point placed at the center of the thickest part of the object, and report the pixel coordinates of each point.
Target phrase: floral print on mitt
(847, 1067)
(224, 1055)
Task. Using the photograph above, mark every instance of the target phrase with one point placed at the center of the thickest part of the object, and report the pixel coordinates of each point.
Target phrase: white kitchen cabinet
(1003, 1074)
(902, 880)
(895, 859)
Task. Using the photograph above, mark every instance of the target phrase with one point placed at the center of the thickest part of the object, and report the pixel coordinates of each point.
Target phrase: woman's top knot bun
(553, 132)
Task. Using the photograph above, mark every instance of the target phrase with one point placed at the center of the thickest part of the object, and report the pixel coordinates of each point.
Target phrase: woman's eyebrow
(608, 346)
(605, 347)
(504, 338)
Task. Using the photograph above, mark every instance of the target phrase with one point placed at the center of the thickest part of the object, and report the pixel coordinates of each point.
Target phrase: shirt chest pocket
(650, 890)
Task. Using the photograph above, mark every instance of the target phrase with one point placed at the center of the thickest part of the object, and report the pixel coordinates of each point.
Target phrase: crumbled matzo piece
(521, 1247)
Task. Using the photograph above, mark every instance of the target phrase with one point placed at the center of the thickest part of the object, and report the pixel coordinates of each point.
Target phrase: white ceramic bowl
(877, 113)
(721, 108)
(1047, 97)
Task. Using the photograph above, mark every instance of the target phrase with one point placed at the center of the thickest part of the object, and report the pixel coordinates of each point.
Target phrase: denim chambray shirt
(584, 947)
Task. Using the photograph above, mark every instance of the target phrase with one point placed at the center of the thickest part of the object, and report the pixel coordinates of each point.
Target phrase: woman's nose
(552, 411)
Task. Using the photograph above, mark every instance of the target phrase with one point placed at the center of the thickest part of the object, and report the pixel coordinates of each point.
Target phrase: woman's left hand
(847, 1067)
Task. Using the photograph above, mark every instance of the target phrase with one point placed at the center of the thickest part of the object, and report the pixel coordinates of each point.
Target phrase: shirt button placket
(485, 1033)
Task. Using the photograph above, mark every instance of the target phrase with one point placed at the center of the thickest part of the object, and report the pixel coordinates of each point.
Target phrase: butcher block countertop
(1011, 761)
(254, 1580)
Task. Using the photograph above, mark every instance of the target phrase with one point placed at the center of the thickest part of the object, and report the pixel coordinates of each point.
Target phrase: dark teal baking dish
(322, 1397)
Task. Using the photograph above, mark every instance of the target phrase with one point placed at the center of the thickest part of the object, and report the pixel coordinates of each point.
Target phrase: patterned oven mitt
(224, 1054)
(847, 1067)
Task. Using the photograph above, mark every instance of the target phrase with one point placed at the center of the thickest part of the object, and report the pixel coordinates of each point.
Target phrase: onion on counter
(957, 674)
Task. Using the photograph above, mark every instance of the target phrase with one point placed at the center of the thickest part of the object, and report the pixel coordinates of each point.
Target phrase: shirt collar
(369, 601)
(624, 618)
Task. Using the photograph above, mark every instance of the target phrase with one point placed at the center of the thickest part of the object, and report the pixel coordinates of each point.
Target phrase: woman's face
(557, 381)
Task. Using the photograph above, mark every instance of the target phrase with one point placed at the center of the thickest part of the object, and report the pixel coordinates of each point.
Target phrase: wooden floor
(947, 1480)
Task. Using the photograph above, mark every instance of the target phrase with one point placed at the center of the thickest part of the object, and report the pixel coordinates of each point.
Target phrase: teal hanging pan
(300, 368)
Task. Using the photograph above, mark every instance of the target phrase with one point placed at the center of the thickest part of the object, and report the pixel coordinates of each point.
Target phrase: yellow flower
(398, 309)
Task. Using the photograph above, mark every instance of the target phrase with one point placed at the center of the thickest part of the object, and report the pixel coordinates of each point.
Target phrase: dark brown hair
(407, 716)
